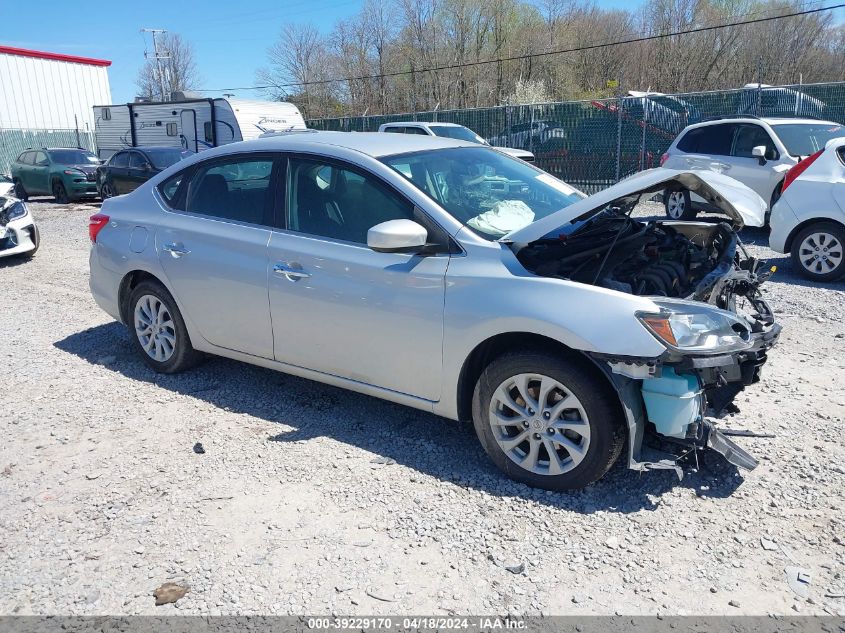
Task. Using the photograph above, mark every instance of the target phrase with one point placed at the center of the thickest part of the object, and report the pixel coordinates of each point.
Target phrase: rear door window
(120, 160)
(234, 189)
(717, 139)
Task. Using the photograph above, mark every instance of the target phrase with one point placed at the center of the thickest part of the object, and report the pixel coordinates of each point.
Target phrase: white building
(47, 99)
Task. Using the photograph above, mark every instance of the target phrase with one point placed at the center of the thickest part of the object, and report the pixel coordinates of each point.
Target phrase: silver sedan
(451, 278)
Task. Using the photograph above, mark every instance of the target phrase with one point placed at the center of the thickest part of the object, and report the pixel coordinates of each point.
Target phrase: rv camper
(192, 124)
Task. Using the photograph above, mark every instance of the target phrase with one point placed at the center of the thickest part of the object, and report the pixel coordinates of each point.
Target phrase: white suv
(449, 130)
(757, 152)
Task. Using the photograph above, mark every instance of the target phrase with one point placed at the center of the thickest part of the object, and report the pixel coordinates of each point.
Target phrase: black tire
(184, 356)
(60, 193)
(607, 430)
(678, 205)
(804, 257)
(107, 191)
(20, 192)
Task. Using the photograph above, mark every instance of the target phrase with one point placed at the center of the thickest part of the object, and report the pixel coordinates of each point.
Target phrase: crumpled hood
(738, 202)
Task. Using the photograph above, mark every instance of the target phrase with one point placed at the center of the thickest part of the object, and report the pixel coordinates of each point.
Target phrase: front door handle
(289, 272)
(176, 249)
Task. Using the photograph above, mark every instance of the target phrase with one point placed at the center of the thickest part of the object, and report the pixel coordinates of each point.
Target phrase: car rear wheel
(60, 193)
(20, 192)
(678, 204)
(818, 251)
(547, 421)
(158, 330)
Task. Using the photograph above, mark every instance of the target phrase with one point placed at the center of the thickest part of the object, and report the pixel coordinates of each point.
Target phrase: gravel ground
(291, 509)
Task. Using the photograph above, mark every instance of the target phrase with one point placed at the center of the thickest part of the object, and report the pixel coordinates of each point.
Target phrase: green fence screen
(592, 144)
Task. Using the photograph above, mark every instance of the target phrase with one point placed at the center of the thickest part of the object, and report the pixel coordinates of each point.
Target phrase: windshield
(165, 157)
(73, 157)
(803, 139)
(486, 190)
(457, 132)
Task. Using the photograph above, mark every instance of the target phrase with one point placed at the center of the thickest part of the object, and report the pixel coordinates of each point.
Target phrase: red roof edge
(23, 52)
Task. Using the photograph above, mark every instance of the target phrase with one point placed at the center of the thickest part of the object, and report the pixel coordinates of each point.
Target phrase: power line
(633, 40)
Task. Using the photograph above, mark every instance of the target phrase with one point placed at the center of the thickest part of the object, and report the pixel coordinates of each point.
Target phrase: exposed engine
(694, 260)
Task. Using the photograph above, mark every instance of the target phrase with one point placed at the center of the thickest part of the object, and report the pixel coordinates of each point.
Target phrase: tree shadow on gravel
(427, 443)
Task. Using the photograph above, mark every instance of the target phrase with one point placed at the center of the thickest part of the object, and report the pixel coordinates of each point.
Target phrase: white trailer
(192, 124)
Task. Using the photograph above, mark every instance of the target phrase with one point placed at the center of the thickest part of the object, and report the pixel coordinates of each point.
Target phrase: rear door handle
(290, 272)
(176, 249)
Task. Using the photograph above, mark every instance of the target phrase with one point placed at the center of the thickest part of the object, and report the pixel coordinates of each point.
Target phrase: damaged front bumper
(676, 400)
(18, 235)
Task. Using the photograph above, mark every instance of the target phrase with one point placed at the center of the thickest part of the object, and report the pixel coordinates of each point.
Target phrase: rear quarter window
(689, 141)
(169, 189)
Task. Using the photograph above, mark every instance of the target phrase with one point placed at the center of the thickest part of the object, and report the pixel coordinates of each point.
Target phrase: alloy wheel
(539, 424)
(155, 328)
(676, 205)
(820, 253)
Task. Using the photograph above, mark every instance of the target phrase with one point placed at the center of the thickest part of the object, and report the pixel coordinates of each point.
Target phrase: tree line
(387, 51)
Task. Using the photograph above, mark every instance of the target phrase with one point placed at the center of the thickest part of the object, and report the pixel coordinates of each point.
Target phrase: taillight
(664, 158)
(95, 224)
(799, 169)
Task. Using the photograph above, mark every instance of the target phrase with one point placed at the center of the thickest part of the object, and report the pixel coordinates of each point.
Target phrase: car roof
(154, 148)
(422, 123)
(373, 144)
(773, 120)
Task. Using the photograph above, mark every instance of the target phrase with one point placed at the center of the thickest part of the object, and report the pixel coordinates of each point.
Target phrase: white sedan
(808, 221)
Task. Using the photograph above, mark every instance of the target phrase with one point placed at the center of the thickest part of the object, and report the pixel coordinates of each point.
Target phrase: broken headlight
(13, 212)
(696, 328)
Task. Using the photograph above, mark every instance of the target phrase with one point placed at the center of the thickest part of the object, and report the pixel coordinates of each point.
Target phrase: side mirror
(759, 152)
(396, 236)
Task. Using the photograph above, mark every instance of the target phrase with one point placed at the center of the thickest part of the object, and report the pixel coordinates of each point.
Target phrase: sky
(230, 38)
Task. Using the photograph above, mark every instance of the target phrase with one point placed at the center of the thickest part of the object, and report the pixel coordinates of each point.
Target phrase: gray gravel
(289, 511)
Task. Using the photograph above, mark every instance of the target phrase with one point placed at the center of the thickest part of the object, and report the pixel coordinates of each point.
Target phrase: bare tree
(425, 54)
(158, 79)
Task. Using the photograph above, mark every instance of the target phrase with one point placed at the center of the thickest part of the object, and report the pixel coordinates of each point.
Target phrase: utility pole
(158, 57)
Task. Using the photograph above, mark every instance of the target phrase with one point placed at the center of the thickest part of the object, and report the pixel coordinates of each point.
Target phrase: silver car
(451, 278)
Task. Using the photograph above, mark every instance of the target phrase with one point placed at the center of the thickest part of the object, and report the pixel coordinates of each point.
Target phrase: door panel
(39, 177)
(215, 252)
(220, 279)
(372, 317)
(188, 119)
(136, 175)
(746, 168)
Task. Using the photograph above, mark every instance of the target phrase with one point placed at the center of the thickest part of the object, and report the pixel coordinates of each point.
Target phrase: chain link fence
(592, 144)
(13, 142)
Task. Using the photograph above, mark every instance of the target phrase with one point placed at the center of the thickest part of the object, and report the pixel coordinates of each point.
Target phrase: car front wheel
(158, 330)
(547, 421)
(818, 251)
(107, 191)
(60, 193)
(20, 192)
(678, 204)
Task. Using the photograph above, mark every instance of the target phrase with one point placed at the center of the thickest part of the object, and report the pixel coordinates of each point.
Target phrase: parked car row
(773, 156)
(71, 174)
